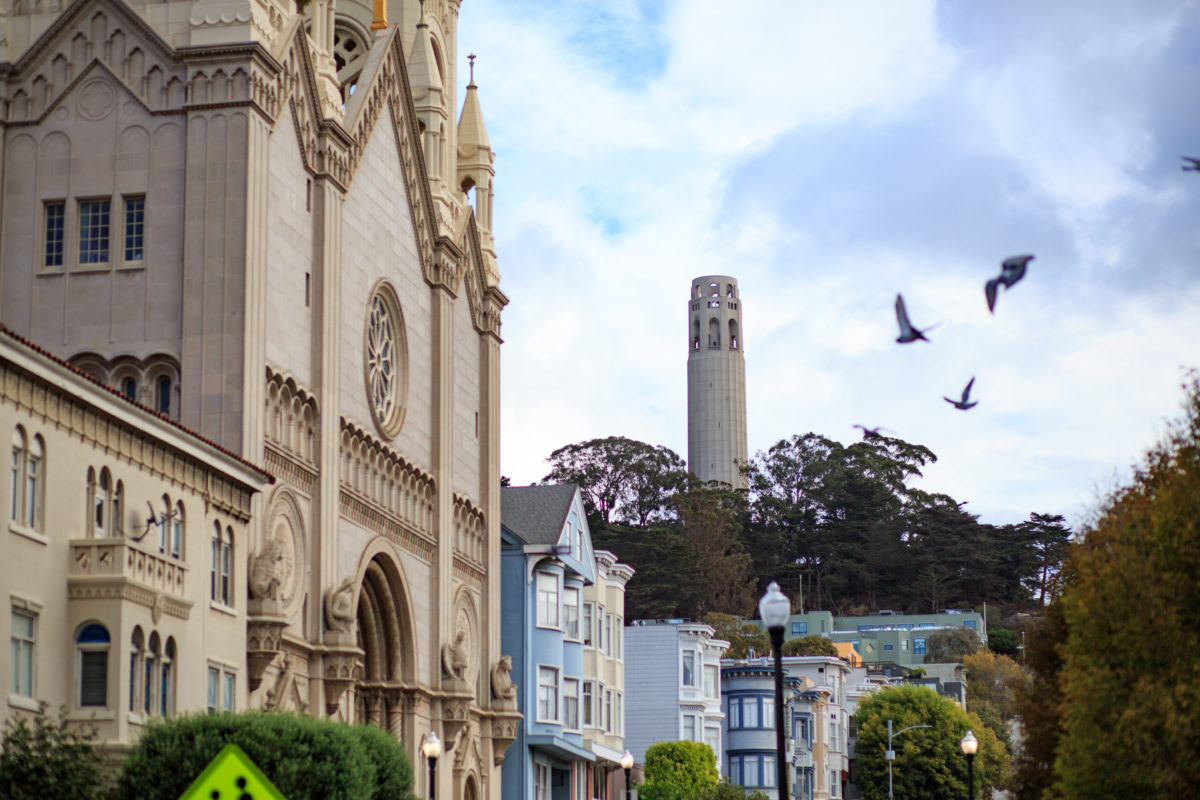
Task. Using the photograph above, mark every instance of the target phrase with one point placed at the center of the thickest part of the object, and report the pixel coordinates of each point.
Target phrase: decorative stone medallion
(96, 99)
(385, 360)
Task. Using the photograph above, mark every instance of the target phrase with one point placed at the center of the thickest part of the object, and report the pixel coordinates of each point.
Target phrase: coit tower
(716, 381)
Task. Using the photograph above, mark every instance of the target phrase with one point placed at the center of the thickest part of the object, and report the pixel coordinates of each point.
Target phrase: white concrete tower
(716, 381)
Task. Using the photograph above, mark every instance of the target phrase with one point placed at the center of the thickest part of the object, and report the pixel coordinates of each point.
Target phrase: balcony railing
(113, 558)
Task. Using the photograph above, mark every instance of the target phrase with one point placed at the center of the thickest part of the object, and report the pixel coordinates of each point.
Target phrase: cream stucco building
(268, 225)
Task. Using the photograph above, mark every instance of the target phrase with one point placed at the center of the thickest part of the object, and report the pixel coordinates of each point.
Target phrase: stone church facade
(266, 224)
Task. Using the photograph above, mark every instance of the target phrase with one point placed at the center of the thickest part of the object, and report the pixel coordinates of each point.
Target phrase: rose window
(384, 360)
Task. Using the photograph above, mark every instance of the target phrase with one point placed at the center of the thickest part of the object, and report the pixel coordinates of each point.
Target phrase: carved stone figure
(456, 657)
(339, 607)
(502, 685)
(267, 570)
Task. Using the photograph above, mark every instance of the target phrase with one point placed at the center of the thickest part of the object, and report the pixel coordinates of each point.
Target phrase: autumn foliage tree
(1130, 674)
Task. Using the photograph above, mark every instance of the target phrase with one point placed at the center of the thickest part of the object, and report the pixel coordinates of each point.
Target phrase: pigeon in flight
(907, 332)
(1012, 269)
(1193, 164)
(871, 434)
(965, 402)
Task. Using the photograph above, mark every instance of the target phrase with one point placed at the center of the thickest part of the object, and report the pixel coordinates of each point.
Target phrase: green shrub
(812, 645)
(303, 757)
(42, 758)
(679, 770)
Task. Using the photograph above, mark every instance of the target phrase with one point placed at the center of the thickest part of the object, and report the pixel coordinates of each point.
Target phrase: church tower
(716, 381)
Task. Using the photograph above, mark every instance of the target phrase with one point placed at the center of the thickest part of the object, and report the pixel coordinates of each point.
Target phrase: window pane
(588, 693)
(55, 216)
(571, 613)
(21, 666)
(768, 712)
(31, 490)
(710, 681)
(547, 694)
(571, 703)
(93, 232)
(93, 684)
(689, 668)
(135, 221)
(164, 691)
(750, 718)
(587, 623)
(735, 712)
(229, 691)
(214, 685)
(547, 591)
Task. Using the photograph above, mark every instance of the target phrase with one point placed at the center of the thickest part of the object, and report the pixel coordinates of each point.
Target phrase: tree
(741, 635)
(679, 770)
(1130, 674)
(950, 645)
(44, 757)
(994, 680)
(812, 645)
(1039, 705)
(1003, 642)
(621, 479)
(929, 762)
(305, 758)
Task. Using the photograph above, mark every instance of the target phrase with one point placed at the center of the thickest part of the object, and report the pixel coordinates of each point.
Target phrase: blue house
(546, 559)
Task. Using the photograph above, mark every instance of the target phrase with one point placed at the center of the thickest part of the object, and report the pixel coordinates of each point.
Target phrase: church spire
(425, 76)
(475, 160)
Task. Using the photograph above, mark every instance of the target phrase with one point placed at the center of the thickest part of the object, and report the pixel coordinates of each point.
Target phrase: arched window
(162, 397)
(164, 526)
(729, 290)
(695, 334)
(176, 538)
(116, 525)
(150, 673)
(100, 502)
(733, 334)
(129, 389)
(92, 645)
(166, 690)
(714, 333)
(25, 486)
(137, 653)
(221, 581)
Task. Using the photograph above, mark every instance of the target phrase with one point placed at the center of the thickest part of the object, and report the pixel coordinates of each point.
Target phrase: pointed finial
(421, 21)
(471, 58)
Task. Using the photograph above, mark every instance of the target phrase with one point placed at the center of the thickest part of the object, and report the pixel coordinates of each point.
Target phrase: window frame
(16, 647)
(140, 235)
(687, 666)
(555, 687)
(586, 622)
(83, 255)
(60, 232)
(570, 622)
(570, 698)
(587, 704)
(83, 649)
(27, 481)
(543, 602)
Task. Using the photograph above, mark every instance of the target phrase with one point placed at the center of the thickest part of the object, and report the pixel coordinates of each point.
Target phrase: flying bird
(1193, 164)
(871, 434)
(907, 332)
(965, 402)
(1012, 269)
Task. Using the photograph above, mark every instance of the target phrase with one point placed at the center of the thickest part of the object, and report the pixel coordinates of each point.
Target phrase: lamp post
(775, 608)
(890, 755)
(969, 745)
(627, 765)
(432, 748)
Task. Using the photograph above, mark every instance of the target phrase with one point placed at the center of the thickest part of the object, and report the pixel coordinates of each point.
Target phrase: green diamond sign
(232, 776)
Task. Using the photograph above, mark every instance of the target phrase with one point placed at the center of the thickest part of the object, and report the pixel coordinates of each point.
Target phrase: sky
(829, 156)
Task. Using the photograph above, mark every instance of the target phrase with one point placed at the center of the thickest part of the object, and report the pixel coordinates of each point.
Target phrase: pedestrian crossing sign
(231, 776)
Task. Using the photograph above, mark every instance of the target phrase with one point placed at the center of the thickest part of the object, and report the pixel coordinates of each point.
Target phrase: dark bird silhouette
(965, 402)
(871, 434)
(1193, 164)
(907, 332)
(1012, 269)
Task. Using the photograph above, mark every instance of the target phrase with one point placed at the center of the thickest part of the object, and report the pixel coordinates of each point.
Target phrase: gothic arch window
(150, 669)
(92, 646)
(385, 360)
(162, 395)
(166, 679)
(129, 389)
(221, 576)
(137, 654)
(26, 485)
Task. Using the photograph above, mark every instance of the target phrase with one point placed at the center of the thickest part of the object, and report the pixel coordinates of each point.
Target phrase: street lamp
(432, 748)
(775, 608)
(890, 755)
(627, 765)
(969, 745)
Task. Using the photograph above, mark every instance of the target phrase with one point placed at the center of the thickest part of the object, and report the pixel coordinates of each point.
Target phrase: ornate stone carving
(263, 640)
(456, 715)
(269, 569)
(339, 607)
(385, 360)
(504, 733)
(456, 657)
(342, 667)
(503, 689)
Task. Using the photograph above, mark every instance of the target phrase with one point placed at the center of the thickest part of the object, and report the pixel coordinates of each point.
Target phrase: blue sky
(830, 155)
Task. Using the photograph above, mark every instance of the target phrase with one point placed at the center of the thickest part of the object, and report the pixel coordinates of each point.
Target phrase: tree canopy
(929, 761)
(679, 770)
(841, 527)
(811, 645)
(1130, 672)
(45, 757)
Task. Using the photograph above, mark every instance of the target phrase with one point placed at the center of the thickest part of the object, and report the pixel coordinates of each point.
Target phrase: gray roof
(536, 514)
